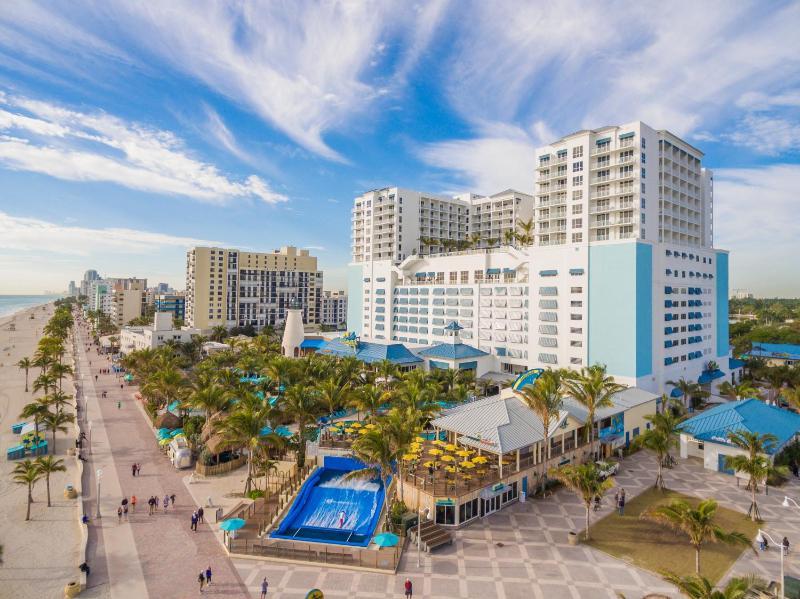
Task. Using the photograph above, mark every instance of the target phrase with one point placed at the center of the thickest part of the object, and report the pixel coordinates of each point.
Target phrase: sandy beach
(40, 556)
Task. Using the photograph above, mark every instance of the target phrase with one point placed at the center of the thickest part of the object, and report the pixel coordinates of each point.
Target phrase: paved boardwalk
(148, 556)
(522, 551)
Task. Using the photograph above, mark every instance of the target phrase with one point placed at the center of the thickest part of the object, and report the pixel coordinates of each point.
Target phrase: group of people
(136, 469)
(204, 578)
(619, 502)
(155, 502)
(197, 517)
(763, 543)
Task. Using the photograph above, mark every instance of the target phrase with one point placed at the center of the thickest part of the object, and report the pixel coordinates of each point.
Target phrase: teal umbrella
(386, 539)
(231, 524)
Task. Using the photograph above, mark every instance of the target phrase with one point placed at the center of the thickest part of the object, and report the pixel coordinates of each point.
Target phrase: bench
(15, 453)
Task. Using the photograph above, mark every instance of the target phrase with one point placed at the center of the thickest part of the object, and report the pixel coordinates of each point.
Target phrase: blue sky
(130, 130)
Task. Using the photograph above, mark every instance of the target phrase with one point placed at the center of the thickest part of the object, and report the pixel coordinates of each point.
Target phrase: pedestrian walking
(785, 544)
(125, 512)
(194, 521)
(133, 503)
(119, 405)
(202, 580)
(208, 575)
(172, 500)
(138, 469)
(95, 376)
(122, 386)
(166, 503)
(150, 504)
(200, 514)
(133, 469)
(119, 515)
(264, 587)
(621, 504)
(409, 587)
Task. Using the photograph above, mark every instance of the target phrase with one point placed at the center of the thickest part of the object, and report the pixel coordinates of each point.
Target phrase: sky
(131, 130)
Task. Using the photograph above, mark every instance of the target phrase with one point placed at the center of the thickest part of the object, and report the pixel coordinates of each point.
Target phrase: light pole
(760, 537)
(98, 475)
(423, 513)
(89, 440)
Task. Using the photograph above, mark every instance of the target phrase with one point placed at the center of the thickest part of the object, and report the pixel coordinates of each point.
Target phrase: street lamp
(760, 538)
(789, 502)
(98, 475)
(89, 440)
(422, 514)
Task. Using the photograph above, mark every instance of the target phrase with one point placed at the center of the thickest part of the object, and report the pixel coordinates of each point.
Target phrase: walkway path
(148, 556)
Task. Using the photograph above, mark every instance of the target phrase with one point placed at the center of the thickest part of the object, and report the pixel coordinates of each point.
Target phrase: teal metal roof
(452, 351)
(312, 343)
(783, 351)
(734, 364)
(750, 415)
(709, 376)
(369, 352)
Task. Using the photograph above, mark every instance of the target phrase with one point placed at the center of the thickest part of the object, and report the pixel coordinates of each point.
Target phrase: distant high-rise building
(231, 288)
(162, 288)
(72, 289)
(88, 278)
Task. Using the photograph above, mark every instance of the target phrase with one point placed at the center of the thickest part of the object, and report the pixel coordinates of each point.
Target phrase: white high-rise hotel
(620, 268)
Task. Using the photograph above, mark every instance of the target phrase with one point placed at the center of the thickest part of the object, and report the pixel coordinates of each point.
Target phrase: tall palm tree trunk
(586, 536)
(754, 515)
(30, 500)
(660, 475)
(47, 482)
(697, 560)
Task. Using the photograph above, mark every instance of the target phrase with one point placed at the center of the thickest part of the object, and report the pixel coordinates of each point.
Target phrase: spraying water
(343, 504)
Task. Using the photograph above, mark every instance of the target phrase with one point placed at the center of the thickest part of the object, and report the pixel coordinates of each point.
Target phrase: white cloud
(767, 134)
(304, 67)
(755, 216)
(757, 100)
(36, 235)
(77, 146)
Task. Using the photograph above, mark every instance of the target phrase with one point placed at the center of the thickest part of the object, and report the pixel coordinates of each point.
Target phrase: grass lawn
(655, 548)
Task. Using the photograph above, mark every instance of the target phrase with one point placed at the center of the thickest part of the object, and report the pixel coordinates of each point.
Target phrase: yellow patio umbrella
(429, 464)
(349, 430)
(450, 468)
(480, 459)
(448, 458)
(356, 425)
(436, 452)
(369, 426)
(466, 477)
(409, 457)
(420, 439)
(438, 442)
(364, 431)
(464, 453)
(450, 447)
(467, 464)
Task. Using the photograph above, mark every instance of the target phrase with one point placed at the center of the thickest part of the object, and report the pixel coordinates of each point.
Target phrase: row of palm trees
(47, 409)
(523, 236)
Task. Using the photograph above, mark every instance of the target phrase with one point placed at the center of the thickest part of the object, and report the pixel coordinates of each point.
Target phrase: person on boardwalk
(409, 587)
(133, 503)
(264, 587)
(119, 515)
(194, 521)
(119, 405)
(621, 503)
(201, 579)
(200, 514)
(133, 469)
(172, 499)
(208, 575)
(138, 469)
(125, 512)
(150, 505)
(156, 501)
(166, 503)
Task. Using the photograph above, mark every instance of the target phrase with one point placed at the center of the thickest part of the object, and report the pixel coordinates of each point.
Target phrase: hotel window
(576, 331)
(577, 361)
(453, 278)
(464, 277)
(576, 289)
(577, 238)
(577, 208)
(577, 167)
(578, 180)
(577, 223)
(576, 316)
(577, 195)
(576, 343)
(577, 152)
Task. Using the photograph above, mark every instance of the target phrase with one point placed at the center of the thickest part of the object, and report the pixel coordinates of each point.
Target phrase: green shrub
(396, 512)
(255, 494)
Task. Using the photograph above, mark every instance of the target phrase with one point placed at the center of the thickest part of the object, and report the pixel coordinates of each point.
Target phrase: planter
(572, 538)
(70, 492)
(72, 589)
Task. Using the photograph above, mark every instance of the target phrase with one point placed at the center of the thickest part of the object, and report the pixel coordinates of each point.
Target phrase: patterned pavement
(522, 551)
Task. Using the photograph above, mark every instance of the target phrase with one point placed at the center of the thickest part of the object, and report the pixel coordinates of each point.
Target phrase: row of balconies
(607, 193)
(613, 177)
(615, 221)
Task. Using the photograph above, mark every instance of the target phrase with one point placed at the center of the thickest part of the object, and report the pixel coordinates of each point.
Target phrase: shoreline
(18, 311)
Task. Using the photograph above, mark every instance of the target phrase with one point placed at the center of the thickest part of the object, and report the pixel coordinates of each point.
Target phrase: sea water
(14, 303)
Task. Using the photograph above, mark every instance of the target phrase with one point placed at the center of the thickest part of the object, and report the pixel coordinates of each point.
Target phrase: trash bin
(523, 496)
(72, 589)
(70, 492)
(572, 537)
(407, 521)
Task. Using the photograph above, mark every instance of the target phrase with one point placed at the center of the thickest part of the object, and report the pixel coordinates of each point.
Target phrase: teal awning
(605, 140)
(627, 135)
(492, 271)
(576, 271)
(548, 273)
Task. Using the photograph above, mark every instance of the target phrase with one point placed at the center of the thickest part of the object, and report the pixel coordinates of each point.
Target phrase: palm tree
(387, 371)
(509, 236)
(545, 398)
(369, 399)
(55, 421)
(699, 587)
(332, 395)
(754, 463)
(697, 524)
(36, 410)
(400, 427)
(59, 371)
(210, 398)
(302, 406)
(593, 388)
(243, 428)
(689, 390)
(44, 382)
(376, 450)
(586, 482)
(47, 466)
(526, 227)
(25, 364)
(741, 391)
(218, 333)
(659, 438)
(776, 377)
(59, 400)
(27, 473)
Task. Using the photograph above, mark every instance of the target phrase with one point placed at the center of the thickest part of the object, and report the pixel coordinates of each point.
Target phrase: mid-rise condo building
(620, 269)
(234, 288)
(333, 310)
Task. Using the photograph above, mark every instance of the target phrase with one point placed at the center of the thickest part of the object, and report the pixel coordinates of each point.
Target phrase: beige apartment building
(232, 288)
(128, 299)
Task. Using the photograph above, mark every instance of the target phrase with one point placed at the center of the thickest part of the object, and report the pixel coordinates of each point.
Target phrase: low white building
(154, 336)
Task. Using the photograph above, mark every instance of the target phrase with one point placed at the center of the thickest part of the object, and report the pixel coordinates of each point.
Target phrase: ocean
(13, 303)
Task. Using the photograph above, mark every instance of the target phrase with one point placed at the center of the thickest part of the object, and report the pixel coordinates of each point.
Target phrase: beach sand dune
(40, 556)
